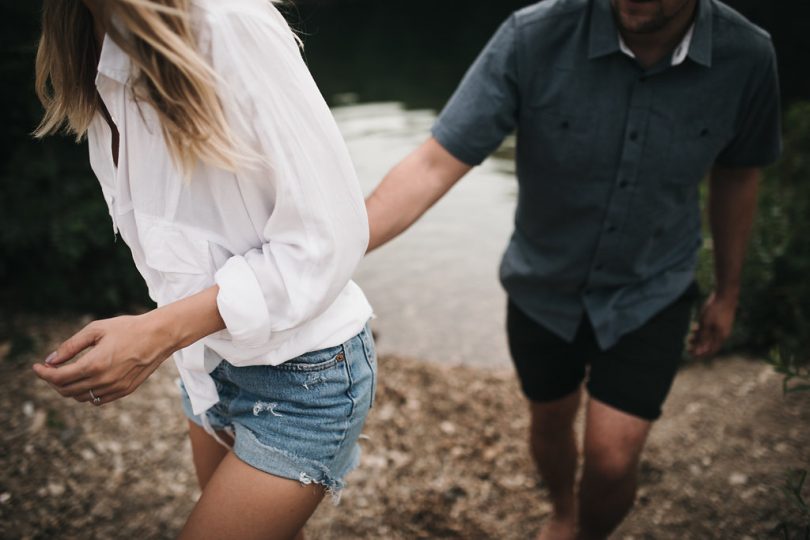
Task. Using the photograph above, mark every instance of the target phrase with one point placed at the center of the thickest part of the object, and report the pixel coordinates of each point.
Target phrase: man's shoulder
(551, 12)
(734, 29)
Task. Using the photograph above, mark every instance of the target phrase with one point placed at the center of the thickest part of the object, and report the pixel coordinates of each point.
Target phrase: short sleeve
(757, 141)
(484, 108)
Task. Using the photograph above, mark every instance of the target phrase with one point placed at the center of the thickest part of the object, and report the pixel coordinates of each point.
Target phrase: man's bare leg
(554, 449)
(613, 444)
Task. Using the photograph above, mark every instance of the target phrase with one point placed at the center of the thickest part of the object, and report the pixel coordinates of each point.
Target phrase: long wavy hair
(171, 75)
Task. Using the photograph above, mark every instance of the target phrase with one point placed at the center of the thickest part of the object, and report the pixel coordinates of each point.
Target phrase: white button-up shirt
(281, 240)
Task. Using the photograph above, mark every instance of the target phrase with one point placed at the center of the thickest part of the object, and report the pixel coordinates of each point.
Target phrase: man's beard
(658, 21)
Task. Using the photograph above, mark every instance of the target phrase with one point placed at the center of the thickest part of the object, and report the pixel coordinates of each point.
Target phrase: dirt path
(445, 458)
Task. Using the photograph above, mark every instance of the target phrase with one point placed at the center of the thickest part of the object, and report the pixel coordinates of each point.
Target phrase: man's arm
(732, 206)
(410, 189)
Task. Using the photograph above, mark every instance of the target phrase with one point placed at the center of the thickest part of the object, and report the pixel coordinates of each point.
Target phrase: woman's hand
(124, 352)
(127, 350)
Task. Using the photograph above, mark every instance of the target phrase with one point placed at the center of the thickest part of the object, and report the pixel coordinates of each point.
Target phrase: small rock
(387, 412)
(116, 447)
(695, 470)
(38, 422)
(5, 497)
(737, 479)
(413, 404)
(55, 489)
(398, 458)
(447, 427)
(375, 462)
(87, 454)
(706, 461)
(28, 409)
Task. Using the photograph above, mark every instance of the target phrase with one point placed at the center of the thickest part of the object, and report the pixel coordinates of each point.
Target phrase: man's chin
(639, 25)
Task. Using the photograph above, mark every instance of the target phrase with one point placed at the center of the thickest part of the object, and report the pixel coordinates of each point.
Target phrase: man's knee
(551, 420)
(610, 466)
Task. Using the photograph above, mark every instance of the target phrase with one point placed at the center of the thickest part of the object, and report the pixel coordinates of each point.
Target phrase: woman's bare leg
(206, 451)
(242, 502)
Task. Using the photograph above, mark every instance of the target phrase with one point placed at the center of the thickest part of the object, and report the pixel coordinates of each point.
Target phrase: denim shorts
(301, 419)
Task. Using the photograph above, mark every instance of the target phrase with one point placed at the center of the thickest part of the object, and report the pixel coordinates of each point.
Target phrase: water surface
(435, 288)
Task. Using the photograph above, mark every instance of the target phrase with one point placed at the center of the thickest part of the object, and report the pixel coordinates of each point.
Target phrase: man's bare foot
(558, 528)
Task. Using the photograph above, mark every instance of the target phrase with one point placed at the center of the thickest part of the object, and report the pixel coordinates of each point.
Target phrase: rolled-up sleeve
(317, 231)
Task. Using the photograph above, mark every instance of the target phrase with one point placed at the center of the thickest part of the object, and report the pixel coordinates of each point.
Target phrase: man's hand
(713, 327)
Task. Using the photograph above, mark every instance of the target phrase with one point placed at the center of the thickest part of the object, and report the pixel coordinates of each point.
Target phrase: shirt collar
(605, 38)
(678, 55)
(113, 62)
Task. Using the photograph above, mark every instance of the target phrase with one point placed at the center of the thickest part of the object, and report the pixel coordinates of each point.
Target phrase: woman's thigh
(207, 453)
(242, 502)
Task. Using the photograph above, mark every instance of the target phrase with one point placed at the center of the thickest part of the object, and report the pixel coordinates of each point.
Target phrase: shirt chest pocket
(694, 147)
(181, 256)
(557, 143)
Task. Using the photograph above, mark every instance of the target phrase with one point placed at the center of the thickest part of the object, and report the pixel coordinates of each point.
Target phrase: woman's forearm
(188, 320)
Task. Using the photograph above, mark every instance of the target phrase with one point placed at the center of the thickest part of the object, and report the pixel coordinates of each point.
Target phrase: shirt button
(611, 228)
(623, 184)
(633, 135)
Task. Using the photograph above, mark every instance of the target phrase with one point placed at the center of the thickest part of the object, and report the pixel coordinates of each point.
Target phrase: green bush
(56, 242)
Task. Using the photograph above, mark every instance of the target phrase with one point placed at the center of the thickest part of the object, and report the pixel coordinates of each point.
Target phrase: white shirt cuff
(241, 303)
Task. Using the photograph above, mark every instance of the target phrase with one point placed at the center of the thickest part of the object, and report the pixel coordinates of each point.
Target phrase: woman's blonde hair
(171, 75)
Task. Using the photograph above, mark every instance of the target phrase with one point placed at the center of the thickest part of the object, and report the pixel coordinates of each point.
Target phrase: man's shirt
(610, 155)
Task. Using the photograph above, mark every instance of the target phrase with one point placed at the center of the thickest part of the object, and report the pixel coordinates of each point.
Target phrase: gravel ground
(445, 458)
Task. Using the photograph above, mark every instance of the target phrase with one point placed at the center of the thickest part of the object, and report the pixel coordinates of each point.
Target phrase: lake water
(435, 288)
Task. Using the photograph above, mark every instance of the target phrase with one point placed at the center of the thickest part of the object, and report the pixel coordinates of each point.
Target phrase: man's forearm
(732, 207)
(409, 190)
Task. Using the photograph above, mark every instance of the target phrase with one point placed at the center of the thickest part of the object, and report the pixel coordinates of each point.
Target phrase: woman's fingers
(63, 375)
(84, 338)
(104, 383)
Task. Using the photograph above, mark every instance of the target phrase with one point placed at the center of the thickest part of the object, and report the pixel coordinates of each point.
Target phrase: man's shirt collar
(696, 44)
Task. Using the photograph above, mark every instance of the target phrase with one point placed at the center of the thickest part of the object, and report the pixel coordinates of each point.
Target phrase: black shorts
(633, 376)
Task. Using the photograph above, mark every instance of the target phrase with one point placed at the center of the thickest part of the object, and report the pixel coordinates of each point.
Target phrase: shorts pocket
(314, 361)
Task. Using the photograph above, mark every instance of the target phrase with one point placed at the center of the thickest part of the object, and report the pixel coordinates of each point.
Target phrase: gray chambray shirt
(610, 155)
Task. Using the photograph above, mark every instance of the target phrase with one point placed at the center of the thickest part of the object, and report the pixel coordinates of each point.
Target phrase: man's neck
(651, 47)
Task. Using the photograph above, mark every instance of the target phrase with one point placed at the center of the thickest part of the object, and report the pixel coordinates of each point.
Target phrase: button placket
(619, 205)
